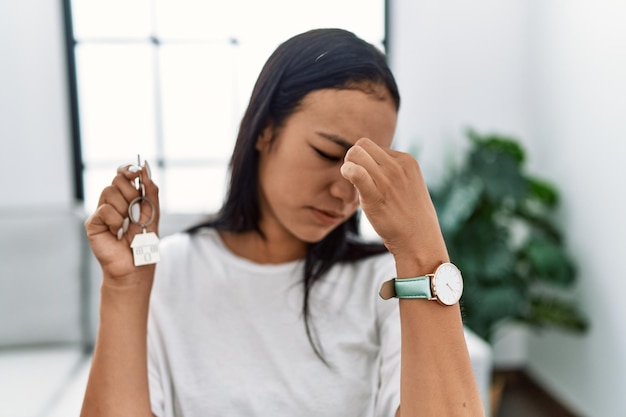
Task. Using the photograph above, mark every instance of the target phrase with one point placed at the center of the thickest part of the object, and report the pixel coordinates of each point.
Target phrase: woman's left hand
(396, 201)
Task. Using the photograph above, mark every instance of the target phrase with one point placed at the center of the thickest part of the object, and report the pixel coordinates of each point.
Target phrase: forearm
(118, 381)
(436, 374)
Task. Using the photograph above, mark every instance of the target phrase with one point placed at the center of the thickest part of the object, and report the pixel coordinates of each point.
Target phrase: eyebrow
(335, 139)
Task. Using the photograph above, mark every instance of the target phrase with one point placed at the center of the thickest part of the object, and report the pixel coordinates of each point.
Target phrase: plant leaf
(499, 172)
(500, 229)
(543, 192)
(484, 307)
(549, 262)
(458, 204)
(500, 144)
(553, 312)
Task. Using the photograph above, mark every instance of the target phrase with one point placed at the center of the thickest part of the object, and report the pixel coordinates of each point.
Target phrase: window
(170, 79)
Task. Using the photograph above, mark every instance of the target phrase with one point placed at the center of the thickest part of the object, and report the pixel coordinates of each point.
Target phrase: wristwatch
(445, 286)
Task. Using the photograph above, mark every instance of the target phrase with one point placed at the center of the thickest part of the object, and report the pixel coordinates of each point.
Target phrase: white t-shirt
(226, 336)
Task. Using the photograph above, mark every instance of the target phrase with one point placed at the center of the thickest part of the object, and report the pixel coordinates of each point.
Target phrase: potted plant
(500, 227)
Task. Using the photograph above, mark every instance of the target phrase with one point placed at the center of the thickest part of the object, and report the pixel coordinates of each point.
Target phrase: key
(145, 245)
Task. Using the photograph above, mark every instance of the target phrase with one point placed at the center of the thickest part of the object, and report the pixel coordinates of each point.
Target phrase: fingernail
(120, 233)
(136, 212)
(125, 224)
(148, 170)
(133, 168)
(345, 169)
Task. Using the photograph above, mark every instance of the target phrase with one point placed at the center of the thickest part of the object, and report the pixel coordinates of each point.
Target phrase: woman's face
(303, 195)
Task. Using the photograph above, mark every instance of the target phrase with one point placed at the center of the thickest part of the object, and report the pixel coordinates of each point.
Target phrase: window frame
(78, 164)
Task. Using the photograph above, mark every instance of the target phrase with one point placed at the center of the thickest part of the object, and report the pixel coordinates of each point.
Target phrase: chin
(315, 236)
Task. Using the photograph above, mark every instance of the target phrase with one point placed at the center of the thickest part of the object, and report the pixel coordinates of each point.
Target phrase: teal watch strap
(446, 284)
(418, 287)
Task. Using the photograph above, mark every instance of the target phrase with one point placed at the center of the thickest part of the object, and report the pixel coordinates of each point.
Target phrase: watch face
(447, 284)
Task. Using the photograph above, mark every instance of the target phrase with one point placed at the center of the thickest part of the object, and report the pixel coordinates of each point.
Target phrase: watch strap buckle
(388, 289)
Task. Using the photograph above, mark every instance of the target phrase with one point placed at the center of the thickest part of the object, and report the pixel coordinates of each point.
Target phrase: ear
(264, 140)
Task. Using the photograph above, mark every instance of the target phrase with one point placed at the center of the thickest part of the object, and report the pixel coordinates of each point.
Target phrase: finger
(392, 164)
(361, 179)
(378, 167)
(130, 172)
(124, 180)
(112, 197)
(382, 164)
(152, 193)
(152, 190)
(126, 188)
(127, 182)
(106, 217)
(129, 169)
(122, 190)
(382, 156)
(360, 156)
(144, 213)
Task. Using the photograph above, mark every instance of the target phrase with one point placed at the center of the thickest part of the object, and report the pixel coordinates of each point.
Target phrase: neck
(264, 250)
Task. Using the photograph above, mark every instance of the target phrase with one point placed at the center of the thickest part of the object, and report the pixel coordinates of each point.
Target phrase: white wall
(579, 109)
(458, 65)
(39, 295)
(552, 73)
(35, 142)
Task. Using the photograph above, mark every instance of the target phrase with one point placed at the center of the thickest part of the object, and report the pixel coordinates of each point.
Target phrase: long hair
(314, 60)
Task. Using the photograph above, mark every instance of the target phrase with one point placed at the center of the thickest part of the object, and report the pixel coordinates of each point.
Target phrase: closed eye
(327, 156)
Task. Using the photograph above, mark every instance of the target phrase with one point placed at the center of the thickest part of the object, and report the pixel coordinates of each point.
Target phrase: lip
(328, 218)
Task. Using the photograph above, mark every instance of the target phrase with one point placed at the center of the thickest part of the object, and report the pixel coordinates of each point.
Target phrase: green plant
(499, 225)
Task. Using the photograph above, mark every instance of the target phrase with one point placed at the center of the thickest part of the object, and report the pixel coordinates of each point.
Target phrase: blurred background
(87, 85)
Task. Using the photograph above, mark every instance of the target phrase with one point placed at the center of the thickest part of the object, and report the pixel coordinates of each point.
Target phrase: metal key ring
(139, 200)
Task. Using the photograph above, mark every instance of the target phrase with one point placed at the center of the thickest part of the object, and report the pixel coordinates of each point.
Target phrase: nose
(343, 190)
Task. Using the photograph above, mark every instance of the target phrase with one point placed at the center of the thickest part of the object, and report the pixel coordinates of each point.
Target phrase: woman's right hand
(107, 223)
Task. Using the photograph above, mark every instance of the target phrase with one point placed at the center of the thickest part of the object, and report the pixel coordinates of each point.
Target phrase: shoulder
(373, 265)
(182, 242)
(182, 251)
(360, 278)
(173, 242)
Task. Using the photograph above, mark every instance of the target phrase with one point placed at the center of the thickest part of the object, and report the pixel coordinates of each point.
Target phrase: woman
(271, 307)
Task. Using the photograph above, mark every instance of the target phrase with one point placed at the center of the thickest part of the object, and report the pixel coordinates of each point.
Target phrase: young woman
(271, 308)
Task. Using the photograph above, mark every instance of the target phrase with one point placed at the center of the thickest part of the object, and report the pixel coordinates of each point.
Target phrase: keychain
(145, 245)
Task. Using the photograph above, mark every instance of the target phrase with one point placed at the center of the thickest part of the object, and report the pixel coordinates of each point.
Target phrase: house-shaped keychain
(145, 248)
